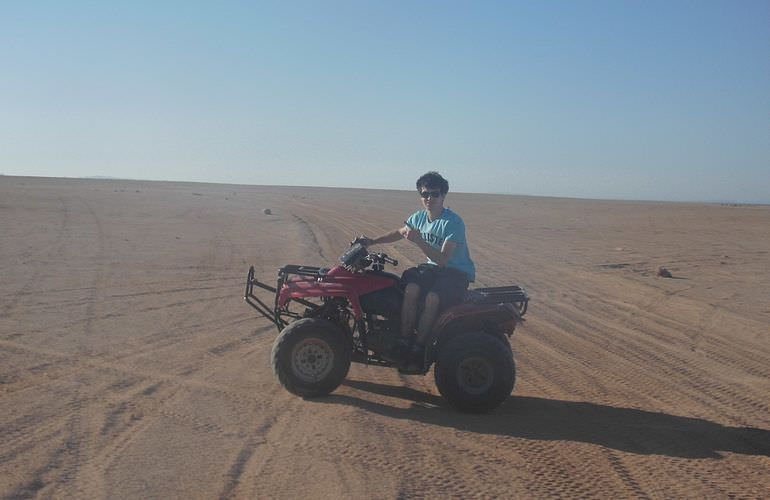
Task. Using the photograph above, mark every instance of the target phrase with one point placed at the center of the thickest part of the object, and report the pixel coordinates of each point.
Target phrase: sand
(130, 367)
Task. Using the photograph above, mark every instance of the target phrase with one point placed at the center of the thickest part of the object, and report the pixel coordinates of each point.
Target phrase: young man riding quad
(357, 312)
(443, 280)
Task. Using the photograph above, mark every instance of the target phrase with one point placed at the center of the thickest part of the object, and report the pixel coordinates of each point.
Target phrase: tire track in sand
(48, 251)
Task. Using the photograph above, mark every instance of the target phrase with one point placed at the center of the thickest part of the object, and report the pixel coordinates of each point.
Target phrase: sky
(651, 100)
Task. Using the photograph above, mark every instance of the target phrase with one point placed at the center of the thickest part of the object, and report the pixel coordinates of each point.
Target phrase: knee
(412, 291)
(432, 300)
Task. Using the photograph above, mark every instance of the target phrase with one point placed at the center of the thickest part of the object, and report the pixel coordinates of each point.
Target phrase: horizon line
(729, 202)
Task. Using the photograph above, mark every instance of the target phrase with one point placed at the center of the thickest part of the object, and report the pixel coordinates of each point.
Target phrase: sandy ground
(131, 368)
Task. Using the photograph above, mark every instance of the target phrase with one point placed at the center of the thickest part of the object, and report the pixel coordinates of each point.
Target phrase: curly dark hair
(433, 180)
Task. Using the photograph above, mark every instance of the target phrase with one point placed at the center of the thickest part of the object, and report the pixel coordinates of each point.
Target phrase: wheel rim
(312, 360)
(475, 375)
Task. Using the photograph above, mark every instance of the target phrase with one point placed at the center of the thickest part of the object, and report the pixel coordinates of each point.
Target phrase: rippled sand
(131, 368)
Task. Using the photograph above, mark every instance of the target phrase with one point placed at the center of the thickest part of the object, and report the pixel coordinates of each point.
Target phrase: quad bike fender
(303, 289)
(498, 320)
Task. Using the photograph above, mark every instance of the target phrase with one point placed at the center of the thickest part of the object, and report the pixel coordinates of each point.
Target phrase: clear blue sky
(664, 100)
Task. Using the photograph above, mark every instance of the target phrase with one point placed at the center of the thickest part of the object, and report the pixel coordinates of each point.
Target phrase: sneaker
(416, 361)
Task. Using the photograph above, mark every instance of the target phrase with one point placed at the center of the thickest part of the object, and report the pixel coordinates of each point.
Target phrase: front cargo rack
(311, 271)
(274, 314)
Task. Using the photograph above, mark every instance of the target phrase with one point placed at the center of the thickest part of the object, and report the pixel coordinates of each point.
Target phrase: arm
(390, 237)
(440, 257)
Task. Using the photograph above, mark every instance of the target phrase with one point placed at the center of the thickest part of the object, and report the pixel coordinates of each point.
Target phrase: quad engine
(384, 337)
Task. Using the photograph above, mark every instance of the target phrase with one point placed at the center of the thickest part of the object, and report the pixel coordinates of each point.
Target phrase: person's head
(432, 188)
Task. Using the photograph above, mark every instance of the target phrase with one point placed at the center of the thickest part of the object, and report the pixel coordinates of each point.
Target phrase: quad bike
(328, 318)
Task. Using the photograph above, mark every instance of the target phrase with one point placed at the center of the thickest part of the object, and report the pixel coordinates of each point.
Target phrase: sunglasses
(430, 194)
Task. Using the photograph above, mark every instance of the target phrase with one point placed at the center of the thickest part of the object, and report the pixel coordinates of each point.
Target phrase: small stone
(267, 211)
(664, 273)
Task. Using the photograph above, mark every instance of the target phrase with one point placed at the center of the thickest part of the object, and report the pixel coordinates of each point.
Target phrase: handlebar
(384, 258)
(359, 252)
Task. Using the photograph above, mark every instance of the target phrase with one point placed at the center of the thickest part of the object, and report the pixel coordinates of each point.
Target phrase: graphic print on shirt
(433, 240)
(448, 226)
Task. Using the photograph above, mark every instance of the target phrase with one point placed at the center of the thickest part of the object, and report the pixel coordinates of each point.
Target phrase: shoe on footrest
(415, 364)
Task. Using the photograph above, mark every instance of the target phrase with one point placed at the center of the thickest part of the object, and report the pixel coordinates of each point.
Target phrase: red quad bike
(330, 317)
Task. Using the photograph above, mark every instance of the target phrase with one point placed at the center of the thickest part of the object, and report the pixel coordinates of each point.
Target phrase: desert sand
(130, 366)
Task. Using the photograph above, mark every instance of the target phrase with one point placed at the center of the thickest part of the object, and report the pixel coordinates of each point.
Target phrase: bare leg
(428, 317)
(409, 309)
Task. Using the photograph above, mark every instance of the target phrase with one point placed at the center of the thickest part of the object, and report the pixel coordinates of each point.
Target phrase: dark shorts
(448, 283)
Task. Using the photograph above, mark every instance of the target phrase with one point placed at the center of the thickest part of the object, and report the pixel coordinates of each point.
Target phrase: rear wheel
(475, 372)
(311, 357)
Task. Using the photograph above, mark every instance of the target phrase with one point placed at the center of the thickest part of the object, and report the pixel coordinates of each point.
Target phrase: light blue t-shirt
(448, 226)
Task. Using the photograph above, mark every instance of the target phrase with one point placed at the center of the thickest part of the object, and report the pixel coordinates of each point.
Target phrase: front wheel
(475, 372)
(311, 357)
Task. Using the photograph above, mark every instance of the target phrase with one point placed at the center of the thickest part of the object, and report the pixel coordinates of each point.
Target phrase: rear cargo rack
(501, 295)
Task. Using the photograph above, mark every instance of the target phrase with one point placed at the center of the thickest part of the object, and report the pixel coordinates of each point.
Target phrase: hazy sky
(630, 99)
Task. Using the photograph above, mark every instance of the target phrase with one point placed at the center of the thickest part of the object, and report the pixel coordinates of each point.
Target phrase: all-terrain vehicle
(328, 318)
